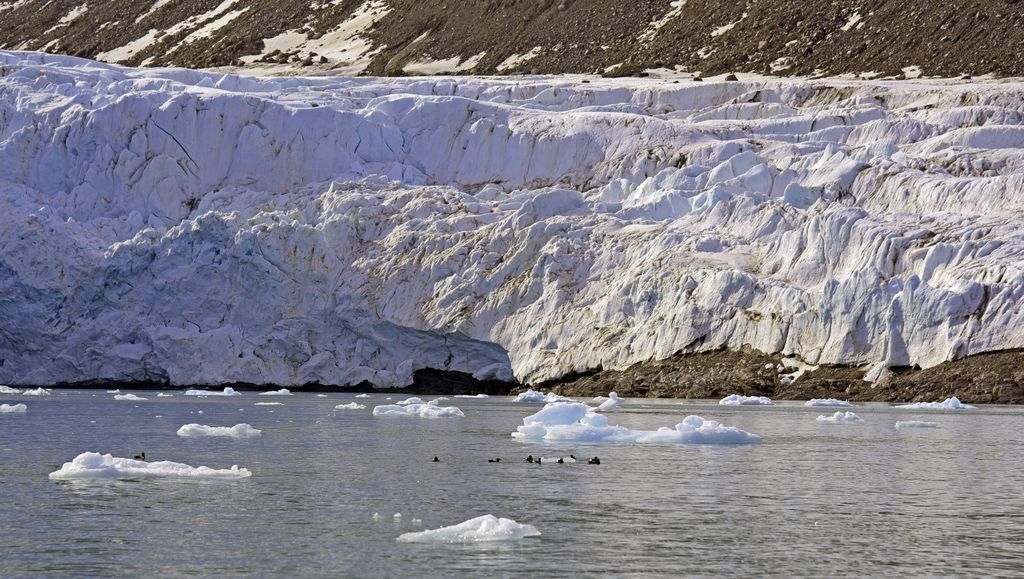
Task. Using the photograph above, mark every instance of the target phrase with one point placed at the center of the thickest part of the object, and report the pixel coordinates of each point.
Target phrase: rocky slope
(394, 37)
(184, 227)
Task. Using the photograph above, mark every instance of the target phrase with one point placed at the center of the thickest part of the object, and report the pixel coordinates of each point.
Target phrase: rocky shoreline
(990, 378)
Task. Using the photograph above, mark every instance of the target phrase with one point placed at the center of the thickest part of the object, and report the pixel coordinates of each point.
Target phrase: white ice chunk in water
(952, 403)
(485, 528)
(228, 391)
(577, 422)
(118, 391)
(916, 424)
(532, 395)
(420, 410)
(269, 404)
(362, 396)
(281, 392)
(840, 417)
(612, 403)
(129, 397)
(740, 400)
(827, 402)
(350, 406)
(480, 396)
(237, 431)
(93, 465)
(8, 390)
(37, 392)
(164, 395)
(16, 408)
(413, 400)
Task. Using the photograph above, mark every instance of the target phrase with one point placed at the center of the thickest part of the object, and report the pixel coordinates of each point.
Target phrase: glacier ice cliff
(200, 228)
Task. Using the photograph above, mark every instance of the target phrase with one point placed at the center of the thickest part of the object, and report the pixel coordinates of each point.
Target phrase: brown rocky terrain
(992, 378)
(707, 36)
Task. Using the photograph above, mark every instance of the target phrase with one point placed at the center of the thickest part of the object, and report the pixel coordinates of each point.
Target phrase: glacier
(200, 228)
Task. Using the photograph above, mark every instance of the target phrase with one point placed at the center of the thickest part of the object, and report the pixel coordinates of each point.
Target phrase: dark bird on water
(561, 461)
(436, 459)
(140, 456)
(493, 460)
(594, 460)
(529, 458)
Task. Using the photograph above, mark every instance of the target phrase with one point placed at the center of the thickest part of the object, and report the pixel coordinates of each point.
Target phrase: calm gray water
(812, 500)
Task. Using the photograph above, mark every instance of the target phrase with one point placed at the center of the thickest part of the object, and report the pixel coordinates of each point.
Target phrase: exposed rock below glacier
(193, 228)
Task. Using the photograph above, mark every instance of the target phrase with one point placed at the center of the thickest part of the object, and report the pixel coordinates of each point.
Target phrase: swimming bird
(493, 460)
(561, 461)
(529, 458)
(140, 456)
(594, 460)
(436, 459)
(572, 456)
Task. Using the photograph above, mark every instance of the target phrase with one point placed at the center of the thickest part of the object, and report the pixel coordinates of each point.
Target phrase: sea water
(812, 499)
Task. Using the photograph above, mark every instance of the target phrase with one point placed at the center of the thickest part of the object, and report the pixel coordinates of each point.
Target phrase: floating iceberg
(93, 465)
(8, 390)
(350, 406)
(237, 431)
(413, 400)
(612, 403)
(429, 410)
(129, 397)
(118, 391)
(37, 392)
(916, 424)
(841, 418)
(269, 404)
(486, 528)
(481, 396)
(228, 391)
(827, 402)
(952, 403)
(8, 408)
(164, 395)
(532, 395)
(577, 422)
(362, 396)
(739, 400)
(281, 392)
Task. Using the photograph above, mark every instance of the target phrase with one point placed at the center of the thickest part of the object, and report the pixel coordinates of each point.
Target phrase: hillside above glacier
(396, 37)
(198, 228)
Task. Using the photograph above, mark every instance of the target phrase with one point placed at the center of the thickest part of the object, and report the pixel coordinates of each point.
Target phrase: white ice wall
(202, 228)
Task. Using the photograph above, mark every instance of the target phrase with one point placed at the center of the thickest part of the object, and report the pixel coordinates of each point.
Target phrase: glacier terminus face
(202, 228)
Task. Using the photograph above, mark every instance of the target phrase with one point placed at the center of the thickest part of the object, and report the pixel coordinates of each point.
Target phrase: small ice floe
(397, 516)
(350, 406)
(827, 402)
(481, 396)
(532, 395)
(129, 397)
(37, 392)
(15, 408)
(412, 400)
(577, 422)
(416, 521)
(377, 517)
(118, 391)
(612, 403)
(915, 424)
(429, 410)
(8, 390)
(840, 417)
(93, 465)
(228, 391)
(486, 528)
(164, 395)
(362, 396)
(281, 392)
(952, 403)
(321, 396)
(740, 400)
(269, 404)
(237, 431)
